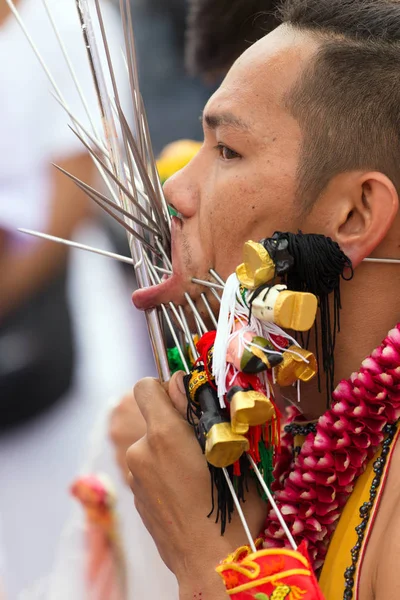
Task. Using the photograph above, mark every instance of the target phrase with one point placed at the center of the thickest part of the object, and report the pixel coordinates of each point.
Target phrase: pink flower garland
(312, 489)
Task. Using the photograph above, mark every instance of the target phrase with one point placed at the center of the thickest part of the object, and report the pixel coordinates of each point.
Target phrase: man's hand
(126, 427)
(171, 484)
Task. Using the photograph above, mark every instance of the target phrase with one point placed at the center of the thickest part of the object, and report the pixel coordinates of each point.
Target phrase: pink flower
(315, 487)
(323, 441)
(394, 336)
(323, 510)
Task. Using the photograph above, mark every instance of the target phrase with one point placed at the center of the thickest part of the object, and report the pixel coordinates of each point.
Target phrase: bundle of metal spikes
(135, 198)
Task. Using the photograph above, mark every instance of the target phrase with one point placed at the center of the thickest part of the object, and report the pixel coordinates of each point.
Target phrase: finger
(154, 403)
(177, 393)
(135, 458)
(120, 457)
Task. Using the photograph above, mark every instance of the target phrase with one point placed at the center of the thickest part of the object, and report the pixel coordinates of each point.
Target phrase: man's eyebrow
(227, 119)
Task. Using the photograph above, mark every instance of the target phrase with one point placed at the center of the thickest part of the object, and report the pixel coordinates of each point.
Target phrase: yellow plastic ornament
(257, 267)
(288, 309)
(249, 408)
(223, 446)
(297, 364)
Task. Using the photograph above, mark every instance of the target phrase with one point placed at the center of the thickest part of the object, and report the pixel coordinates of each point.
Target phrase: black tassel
(223, 504)
(318, 266)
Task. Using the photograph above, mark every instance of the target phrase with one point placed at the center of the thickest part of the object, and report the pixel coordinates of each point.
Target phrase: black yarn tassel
(221, 499)
(319, 265)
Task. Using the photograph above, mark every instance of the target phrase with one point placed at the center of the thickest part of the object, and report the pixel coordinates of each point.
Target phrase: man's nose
(181, 192)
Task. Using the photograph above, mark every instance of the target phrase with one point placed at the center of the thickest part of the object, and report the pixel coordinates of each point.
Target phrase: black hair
(347, 99)
(218, 31)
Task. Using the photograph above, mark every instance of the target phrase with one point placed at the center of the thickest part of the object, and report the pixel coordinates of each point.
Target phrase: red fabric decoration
(270, 575)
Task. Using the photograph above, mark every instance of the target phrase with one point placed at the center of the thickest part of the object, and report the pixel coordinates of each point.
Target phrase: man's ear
(366, 215)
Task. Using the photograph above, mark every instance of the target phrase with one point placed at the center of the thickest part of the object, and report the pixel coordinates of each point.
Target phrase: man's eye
(226, 153)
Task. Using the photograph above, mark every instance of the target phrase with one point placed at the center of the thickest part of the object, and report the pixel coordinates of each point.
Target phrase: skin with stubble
(243, 185)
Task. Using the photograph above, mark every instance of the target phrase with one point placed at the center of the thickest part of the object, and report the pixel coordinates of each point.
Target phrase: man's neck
(370, 309)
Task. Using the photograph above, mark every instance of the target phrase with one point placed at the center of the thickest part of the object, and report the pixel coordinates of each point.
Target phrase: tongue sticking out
(162, 293)
(171, 287)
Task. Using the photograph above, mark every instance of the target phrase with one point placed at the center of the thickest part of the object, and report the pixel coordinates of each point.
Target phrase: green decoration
(172, 211)
(175, 360)
(266, 466)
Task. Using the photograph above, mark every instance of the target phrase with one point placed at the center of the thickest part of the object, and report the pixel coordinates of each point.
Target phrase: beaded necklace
(312, 487)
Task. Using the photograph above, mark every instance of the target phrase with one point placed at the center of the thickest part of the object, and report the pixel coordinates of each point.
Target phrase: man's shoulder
(386, 578)
(380, 572)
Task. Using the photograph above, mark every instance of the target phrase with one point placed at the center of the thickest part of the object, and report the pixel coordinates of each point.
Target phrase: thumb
(177, 393)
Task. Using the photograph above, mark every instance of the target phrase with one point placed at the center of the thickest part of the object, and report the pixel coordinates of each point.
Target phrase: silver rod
(178, 318)
(208, 284)
(71, 69)
(114, 177)
(102, 149)
(125, 225)
(170, 326)
(52, 238)
(152, 316)
(158, 209)
(196, 314)
(154, 172)
(273, 503)
(132, 71)
(214, 293)
(117, 101)
(165, 255)
(101, 197)
(388, 261)
(217, 277)
(156, 277)
(161, 270)
(188, 334)
(16, 14)
(240, 511)
(175, 338)
(209, 310)
(198, 326)
(95, 141)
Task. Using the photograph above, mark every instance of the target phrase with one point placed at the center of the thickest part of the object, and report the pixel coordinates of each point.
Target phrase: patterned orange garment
(275, 574)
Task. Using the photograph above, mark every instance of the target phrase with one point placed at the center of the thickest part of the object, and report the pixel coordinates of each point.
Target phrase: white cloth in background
(39, 461)
(33, 127)
(147, 576)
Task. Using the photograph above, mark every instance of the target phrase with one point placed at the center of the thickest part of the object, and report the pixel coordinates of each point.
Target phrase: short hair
(347, 99)
(218, 31)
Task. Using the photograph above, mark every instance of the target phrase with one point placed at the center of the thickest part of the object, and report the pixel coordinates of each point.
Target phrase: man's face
(242, 183)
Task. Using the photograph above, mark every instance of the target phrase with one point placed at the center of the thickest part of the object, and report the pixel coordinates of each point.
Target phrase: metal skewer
(208, 284)
(124, 259)
(273, 503)
(144, 164)
(217, 277)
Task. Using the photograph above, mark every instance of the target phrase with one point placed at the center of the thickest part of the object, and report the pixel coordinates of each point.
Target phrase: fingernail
(180, 384)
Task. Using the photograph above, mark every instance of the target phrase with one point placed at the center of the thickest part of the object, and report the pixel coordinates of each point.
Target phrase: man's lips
(169, 289)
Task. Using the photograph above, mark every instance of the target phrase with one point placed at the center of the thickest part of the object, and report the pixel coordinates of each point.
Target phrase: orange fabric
(275, 574)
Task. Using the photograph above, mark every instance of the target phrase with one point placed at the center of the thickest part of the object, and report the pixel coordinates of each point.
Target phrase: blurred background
(70, 341)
